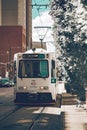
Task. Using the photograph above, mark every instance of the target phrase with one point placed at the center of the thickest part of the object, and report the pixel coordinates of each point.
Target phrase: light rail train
(35, 76)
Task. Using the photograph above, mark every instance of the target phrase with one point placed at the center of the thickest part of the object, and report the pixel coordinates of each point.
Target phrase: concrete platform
(74, 118)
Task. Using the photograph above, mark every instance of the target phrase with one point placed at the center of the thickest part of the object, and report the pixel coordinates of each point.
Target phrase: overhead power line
(40, 5)
(42, 27)
(41, 37)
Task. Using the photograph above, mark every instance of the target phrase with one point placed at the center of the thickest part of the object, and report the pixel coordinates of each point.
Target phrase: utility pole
(29, 7)
(28, 24)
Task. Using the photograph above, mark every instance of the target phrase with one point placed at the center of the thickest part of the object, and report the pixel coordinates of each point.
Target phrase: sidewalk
(74, 118)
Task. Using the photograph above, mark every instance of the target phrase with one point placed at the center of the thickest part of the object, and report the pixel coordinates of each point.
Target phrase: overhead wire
(39, 17)
(38, 10)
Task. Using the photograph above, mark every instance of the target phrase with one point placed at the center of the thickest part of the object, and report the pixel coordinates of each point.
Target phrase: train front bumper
(33, 98)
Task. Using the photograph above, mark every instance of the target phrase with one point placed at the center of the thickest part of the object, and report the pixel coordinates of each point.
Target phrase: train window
(15, 73)
(52, 68)
(33, 68)
(44, 68)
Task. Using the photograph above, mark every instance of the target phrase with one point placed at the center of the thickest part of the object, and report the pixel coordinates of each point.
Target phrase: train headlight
(22, 88)
(44, 87)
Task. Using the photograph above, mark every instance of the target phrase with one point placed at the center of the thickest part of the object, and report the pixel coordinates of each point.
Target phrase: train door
(53, 79)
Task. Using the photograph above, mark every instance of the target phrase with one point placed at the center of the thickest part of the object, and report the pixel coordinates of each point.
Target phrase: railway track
(13, 117)
(18, 116)
(29, 118)
(35, 120)
(9, 112)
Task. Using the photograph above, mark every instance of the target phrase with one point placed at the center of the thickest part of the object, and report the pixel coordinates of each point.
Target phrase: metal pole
(9, 55)
(28, 24)
(41, 40)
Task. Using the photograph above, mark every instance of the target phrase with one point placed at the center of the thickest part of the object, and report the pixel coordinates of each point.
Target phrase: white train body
(35, 77)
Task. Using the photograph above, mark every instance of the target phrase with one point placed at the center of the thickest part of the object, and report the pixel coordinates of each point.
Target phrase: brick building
(13, 38)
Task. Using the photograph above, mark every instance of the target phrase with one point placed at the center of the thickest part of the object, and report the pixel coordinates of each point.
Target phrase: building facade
(12, 12)
(15, 30)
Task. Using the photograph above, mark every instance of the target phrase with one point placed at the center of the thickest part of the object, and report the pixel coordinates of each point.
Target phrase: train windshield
(33, 69)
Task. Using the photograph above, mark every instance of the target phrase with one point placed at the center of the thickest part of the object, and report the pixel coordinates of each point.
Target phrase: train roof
(32, 51)
(37, 50)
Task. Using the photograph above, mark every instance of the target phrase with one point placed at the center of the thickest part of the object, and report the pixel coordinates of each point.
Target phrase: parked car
(5, 82)
(11, 83)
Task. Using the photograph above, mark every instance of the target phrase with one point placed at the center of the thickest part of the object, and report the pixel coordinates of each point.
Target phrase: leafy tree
(70, 36)
(84, 2)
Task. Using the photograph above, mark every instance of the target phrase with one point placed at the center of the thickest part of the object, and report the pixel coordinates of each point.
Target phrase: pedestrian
(60, 100)
(78, 104)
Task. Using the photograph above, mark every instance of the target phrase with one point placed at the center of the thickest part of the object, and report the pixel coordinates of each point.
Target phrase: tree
(70, 40)
(84, 2)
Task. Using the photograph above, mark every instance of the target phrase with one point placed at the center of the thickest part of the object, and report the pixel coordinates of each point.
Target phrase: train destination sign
(25, 56)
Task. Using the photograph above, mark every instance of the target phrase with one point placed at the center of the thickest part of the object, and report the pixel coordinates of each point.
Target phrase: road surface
(13, 117)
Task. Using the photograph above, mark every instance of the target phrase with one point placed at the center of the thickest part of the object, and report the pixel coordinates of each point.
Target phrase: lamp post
(28, 24)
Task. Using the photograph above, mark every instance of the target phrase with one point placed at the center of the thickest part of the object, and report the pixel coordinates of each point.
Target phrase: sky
(37, 8)
(42, 25)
